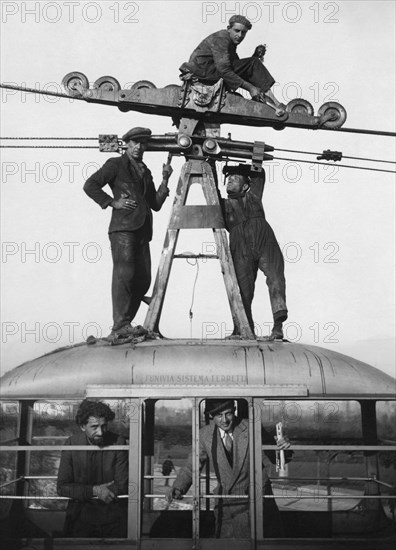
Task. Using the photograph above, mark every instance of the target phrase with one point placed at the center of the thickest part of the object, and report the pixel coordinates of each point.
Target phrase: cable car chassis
(197, 100)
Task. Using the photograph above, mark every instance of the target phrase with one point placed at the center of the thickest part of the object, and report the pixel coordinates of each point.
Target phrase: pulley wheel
(300, 106)
(107, 84)
(172, 87)
(335, 111)
(143, 85)
(75, 83)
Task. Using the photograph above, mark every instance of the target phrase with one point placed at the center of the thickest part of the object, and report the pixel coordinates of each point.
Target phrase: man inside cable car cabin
(216, 57)
(94, 479)
(225, 443)
(253, 243)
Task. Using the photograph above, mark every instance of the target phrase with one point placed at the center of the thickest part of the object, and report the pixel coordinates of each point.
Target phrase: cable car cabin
(338, 490)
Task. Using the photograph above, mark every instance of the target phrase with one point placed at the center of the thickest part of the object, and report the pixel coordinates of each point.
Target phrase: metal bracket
(330, 155)
(109, 143)
(258, 156)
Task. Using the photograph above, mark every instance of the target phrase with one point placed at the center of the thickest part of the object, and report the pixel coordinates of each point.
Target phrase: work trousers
(252, 70)
(248, 257)
(131, 275)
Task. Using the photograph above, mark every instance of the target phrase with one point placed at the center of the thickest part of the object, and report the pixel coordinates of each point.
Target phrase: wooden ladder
(197, 217)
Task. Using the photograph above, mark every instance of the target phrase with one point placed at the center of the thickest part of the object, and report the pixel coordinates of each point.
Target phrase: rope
(190, 313)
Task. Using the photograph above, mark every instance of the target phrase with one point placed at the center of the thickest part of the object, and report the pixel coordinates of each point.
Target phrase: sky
(335, 225)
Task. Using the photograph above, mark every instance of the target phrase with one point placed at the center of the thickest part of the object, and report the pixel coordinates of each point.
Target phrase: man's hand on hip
(124, 203)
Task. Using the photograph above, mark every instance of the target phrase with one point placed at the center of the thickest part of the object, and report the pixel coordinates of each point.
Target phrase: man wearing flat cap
(131, 229)
(225, 443)
(216, 57)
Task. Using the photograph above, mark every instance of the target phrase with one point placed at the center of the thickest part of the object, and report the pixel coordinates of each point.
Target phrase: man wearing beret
(225, 443)
(216, 57)
(130, 231)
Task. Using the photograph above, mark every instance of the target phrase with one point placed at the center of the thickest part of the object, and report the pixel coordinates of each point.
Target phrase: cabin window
(306, 491)
(53, 422)
(168, 450)
(167, 444)
(386, 434)
(8, 459)
(38, 510)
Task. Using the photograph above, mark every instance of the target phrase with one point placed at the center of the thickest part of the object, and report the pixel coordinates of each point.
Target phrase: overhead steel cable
(52, 138)
(343, 156)
(335, 165)
(275, 158)
(95, 139)
(360, 131)
(48, 147)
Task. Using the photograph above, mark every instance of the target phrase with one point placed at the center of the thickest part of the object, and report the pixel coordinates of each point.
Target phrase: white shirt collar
(223, 434)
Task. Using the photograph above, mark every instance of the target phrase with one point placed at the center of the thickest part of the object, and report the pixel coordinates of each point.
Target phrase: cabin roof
(65, 373)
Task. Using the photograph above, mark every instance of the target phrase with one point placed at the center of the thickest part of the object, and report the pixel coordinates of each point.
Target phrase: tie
(228, 443)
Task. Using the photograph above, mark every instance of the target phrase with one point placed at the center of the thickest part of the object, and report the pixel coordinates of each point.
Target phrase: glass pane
(53, 423)
(386, 431)
(8, 433)
(167, 443)
(301, 507)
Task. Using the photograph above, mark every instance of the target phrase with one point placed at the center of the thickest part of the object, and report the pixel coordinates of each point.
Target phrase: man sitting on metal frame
(216, 57)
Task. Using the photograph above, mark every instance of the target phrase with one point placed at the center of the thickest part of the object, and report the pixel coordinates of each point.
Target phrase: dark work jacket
(79, 472)
(213, 59)
(245, 218)
(237, 211)
(124, 177)
(75, 480)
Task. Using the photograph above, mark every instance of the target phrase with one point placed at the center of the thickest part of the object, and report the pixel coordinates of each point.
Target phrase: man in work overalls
(253, 244)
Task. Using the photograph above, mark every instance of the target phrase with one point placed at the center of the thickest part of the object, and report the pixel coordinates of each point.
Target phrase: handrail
(37, 497)
(18, 448)
(206, 496)
(293, 447)
(11, 482)
(334, 447)
(50, 436)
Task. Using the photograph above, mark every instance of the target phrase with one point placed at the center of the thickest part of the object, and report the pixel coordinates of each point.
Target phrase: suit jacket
(75, 480)
(213, 59)
(231, 480)
(124, 176)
